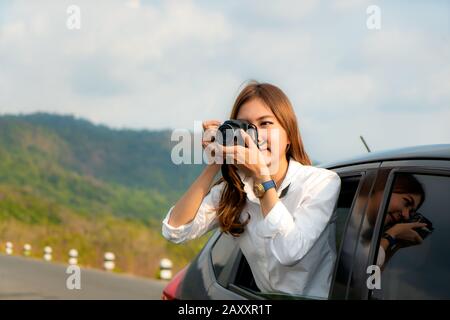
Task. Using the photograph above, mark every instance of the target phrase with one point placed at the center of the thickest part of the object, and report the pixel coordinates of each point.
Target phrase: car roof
(435, 151)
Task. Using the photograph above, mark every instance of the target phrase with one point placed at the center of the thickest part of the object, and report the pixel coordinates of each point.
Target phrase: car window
(346, 200)
(362, 227)
(349, 187)
(223, 256)
(411, 267)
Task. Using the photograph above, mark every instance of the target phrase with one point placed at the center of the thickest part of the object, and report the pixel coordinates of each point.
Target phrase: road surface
(26, 278)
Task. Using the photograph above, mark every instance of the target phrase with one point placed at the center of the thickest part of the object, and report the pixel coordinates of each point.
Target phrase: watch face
(258, 189)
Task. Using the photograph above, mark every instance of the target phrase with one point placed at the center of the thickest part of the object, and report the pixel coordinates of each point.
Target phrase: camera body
(228, 133)
(423, 231)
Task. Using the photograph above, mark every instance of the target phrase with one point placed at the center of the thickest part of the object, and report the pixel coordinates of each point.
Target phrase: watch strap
(392, 241)
(268, 185)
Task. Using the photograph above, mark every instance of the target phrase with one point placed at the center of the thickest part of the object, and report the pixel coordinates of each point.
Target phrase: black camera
(423, 231)
(228, 133)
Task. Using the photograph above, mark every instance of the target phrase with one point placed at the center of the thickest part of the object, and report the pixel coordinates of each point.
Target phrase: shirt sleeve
(293, 234)
(381, 257)
(204, 221)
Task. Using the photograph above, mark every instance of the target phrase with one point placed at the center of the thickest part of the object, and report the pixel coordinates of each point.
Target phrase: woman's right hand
(209, 131)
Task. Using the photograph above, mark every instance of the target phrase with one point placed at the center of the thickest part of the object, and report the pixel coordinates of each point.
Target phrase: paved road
(25, 278)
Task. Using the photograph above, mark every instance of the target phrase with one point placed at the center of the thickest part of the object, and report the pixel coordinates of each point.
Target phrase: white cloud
(140, 50)
(339, 139)
(152, 65)
(134, 4)
(290, 10)
(343, 92)
(410, 66)
(346, 5)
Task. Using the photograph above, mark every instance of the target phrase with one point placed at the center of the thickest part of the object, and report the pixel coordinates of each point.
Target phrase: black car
(418, 271)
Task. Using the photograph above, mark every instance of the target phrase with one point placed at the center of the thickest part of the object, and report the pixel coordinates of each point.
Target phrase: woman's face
(401, 207)
(272, 138)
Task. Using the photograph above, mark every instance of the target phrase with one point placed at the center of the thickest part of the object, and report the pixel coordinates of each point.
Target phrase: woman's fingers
(248, 140)
(238, 154)
(405, 231)
(209, 136)
(210, 130)
(234, 154)
(414, 225)
(211, 123)
(417, 237)
(231, 149)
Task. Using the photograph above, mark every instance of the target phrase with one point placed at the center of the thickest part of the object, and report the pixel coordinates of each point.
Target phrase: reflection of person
(407, 196)
(285, 227)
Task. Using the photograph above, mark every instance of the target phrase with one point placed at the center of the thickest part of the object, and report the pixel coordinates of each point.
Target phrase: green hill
(69, 183)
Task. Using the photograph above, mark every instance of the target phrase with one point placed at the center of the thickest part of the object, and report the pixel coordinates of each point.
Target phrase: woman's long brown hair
(233, 196)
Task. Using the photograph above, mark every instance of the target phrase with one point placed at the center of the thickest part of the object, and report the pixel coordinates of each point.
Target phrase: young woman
(278, 207)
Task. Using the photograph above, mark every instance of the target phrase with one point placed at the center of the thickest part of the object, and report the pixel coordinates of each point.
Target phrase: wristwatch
(392, 241)
(260, 188)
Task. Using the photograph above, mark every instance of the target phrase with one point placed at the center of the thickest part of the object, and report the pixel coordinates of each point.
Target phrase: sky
(165, 64)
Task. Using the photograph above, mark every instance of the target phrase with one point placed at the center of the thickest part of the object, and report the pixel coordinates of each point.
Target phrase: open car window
(231, 267)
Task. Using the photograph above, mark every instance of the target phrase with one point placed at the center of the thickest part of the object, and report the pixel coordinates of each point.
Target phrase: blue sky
(166, 64)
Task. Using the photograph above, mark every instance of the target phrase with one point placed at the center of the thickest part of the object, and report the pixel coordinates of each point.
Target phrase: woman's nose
(406, 213)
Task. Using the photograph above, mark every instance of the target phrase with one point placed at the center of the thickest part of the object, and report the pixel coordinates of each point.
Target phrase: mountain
(92, 168)
(67, 182)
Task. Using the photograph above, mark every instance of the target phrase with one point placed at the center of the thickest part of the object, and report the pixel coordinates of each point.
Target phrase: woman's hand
(248, 157)
(406, 232)
(209, 136)
(209, 131)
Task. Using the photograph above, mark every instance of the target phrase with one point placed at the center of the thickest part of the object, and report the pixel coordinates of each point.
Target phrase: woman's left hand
(247, 156)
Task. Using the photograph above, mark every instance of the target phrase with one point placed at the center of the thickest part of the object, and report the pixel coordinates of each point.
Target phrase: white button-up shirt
(292, 250)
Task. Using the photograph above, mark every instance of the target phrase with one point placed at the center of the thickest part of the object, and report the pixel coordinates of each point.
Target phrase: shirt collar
(292, 170)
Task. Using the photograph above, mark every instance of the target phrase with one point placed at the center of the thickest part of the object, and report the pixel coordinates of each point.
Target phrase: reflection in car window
(223, 256)
(414, 258)
(349, 186)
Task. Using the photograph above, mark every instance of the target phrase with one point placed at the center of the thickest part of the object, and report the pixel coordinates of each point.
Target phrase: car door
(233, 275)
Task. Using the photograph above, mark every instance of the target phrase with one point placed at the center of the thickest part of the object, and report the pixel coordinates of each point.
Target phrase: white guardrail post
(48, 253)
(109, 263)
(9, 248)
(165, 269)
(73, 257)
(26, 249)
